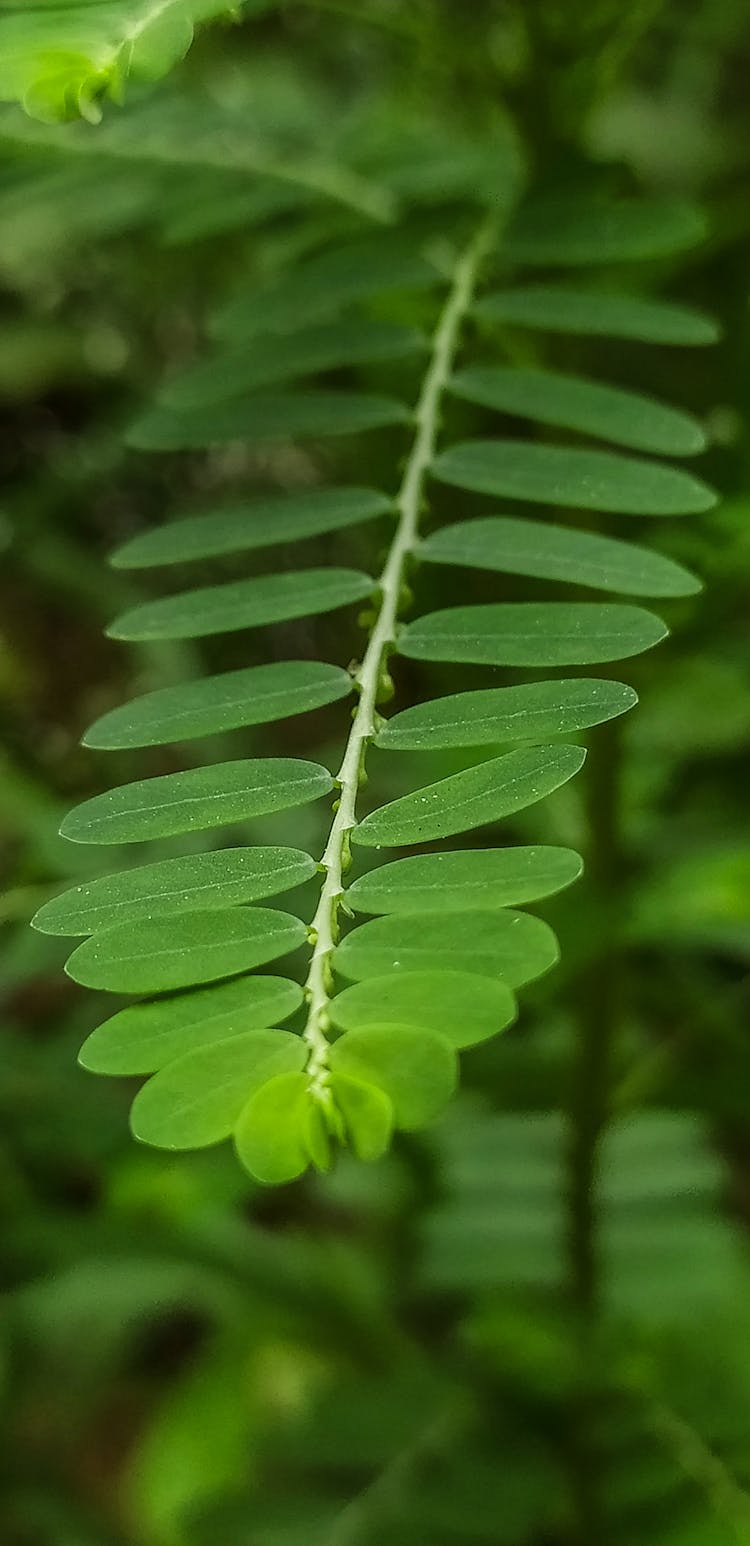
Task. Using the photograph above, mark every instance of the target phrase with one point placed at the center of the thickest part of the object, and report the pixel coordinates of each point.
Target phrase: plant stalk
(590, 1109)
(368, 677)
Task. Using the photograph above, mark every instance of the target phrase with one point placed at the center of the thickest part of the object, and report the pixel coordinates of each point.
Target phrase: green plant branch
(388, 1483)
(368, 677)
(590, 1111)
(591, 1103)
(729, 1500)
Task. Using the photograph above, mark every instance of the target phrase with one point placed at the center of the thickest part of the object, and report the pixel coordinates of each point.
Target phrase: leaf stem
(590, 1112)
(368, 676)
(729, 1500)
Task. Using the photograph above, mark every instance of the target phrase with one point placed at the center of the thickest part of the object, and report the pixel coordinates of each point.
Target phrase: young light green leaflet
(367, 1112)
(196, 1099)
(511, 946)
(59, 59)
(532, 712)
(147, 1036)
(461, 1007)
(273, 1134)
(261, 523)
(416, 1069)
(215, 609)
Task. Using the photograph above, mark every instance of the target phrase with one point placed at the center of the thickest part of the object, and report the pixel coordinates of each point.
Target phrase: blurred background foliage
(394, 1353)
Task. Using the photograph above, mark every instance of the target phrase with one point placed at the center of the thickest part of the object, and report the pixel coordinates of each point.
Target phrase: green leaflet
(603, 313)
(472, 798)
(168, 951)
(572, 402)
(287, 416)
(146, 1037)
(261, 523)
(435, 163)
(416, 1069)
(471, 877)
(286, 358)
(571, 230)
(461, 1007)
(526, 634)
(196, 1100)
(257, 695)
(240, 205)
(196, 800)
(512, 946)
(556, 475)
(214, 609)
(325, 284)
(267, 522)
(368, 1115)
(272, 1133)
(510, 546)
(223, 879)
(533, 711)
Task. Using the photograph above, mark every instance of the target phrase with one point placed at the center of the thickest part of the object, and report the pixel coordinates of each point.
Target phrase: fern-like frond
(59, 57)
(502, 1222)
(436, 965)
